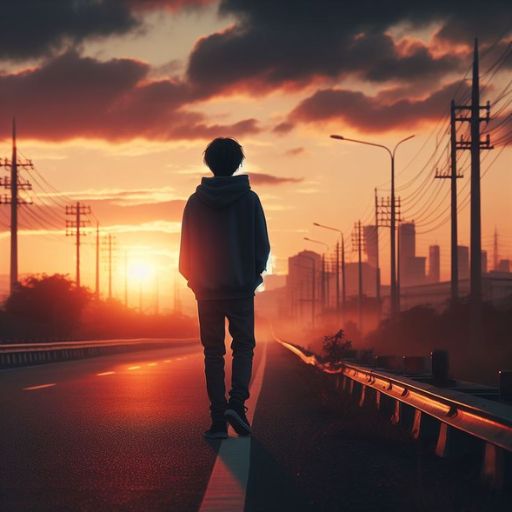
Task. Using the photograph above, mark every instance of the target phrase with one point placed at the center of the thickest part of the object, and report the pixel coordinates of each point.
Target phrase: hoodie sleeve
(262, 244)
(185, 246)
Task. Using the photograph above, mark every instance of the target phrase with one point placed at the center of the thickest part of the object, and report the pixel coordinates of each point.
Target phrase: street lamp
(342, 240)
(391, 152)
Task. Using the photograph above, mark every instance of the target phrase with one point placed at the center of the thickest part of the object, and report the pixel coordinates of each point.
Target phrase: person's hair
(223, 156)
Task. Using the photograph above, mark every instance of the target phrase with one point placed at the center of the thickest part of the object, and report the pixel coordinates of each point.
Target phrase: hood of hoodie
(222, 191)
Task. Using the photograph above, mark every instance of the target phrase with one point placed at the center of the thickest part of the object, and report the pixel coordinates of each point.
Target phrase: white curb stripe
(228, 482)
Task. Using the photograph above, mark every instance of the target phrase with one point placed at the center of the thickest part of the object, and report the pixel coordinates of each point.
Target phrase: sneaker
(218, 430)
(235, 414)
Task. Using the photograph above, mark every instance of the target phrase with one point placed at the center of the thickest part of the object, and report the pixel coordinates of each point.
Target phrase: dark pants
(240, 315)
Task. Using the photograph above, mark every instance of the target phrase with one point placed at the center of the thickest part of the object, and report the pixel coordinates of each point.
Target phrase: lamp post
(340, 244)
(391, 152)
(323, 272)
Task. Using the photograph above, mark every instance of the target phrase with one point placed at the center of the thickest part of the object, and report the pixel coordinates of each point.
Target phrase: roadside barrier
(454, 419)
(28, 354)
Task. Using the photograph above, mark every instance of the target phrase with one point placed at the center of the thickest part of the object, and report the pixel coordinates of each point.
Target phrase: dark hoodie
(224, 241)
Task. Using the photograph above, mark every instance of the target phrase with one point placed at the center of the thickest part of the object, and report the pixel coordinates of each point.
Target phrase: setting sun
(141, 271)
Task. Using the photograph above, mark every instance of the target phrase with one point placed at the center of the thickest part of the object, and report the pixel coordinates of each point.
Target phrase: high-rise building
(370, 234)
(484, 262)
(407, 234)
(299, 281)
(412, 267)
(463, 259)
(434, 263)
(504, 266)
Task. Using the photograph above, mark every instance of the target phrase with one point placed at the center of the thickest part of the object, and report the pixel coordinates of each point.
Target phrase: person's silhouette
(224, 250)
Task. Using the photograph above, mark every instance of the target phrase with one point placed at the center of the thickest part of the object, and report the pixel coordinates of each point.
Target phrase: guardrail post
(493, 467)
(440, 367)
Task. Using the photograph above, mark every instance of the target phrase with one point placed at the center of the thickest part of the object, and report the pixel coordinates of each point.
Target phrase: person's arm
(185, 248)
(262, 244)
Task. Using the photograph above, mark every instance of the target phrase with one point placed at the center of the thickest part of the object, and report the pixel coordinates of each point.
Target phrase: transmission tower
(74, 226)
(14, 183)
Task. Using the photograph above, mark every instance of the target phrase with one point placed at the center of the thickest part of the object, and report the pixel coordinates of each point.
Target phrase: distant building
(411, 267)
(504, 266)
(352, 279)
(434, 264)
(463, 260)
(371, 241)
(301, 286)
(484, 262)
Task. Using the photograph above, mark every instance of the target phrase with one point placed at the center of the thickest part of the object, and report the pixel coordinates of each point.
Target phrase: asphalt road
(124, 433)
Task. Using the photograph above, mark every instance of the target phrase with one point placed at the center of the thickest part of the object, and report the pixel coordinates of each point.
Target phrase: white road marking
(136, 367)
(40, 386)
(105, 373)
(228, 482)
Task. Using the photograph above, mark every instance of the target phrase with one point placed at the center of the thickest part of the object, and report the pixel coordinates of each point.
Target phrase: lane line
(227, 486)
(40, 386)
(105, 373)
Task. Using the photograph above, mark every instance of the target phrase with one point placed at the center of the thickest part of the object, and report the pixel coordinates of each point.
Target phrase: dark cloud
(370, 114)
(259, 178)
(32, 28)
(71, 96)
(274, 44)
(283, 128)
(35, 28)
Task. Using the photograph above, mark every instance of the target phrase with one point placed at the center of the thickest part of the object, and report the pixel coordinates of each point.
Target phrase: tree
(45, 306)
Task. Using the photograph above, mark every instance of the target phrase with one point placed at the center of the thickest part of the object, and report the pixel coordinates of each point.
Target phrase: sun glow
(141, 271)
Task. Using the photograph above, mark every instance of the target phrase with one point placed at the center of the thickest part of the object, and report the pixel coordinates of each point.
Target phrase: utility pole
(97, 292)
(453, 176)
(383, 218)
(377, 264)
(338, 277)
(77, 212)
(495, 249)
(343, 276)
(323, 282)
(475, 145)
(109, 246)
(14, 184)
(357, 245)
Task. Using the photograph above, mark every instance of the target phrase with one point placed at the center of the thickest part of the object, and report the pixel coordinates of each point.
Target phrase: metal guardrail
(454, 411)
(27, 354)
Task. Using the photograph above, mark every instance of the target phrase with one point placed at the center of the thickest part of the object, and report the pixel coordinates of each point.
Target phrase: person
(224, 250)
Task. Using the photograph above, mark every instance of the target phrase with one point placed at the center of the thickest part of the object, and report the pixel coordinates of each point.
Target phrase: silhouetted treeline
(421, 329)
(51, 308)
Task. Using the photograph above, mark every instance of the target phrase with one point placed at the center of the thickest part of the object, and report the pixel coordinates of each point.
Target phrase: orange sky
(136, 176)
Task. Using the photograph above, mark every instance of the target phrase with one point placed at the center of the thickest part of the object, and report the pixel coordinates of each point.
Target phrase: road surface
(124, 433)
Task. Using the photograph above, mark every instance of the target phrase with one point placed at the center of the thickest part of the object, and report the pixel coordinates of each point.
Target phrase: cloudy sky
(115, 101)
